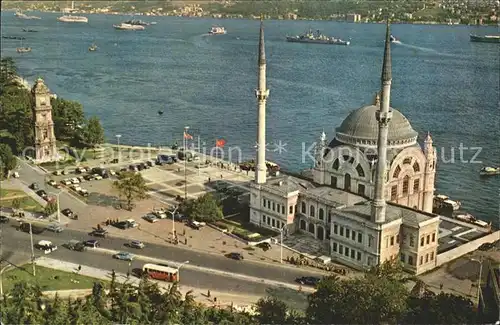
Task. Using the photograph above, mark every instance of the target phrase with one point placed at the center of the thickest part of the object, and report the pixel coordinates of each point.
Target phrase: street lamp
(118, 136)
(58, 205)
(480, 261)
(281, 240)
(186, 128)
(178, 268)
(32, 250)
(173, 219)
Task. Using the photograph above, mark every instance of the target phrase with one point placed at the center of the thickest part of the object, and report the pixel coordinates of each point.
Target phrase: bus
(160, 272)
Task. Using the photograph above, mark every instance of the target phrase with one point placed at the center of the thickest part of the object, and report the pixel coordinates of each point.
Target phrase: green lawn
(47, 279)
(27, 203)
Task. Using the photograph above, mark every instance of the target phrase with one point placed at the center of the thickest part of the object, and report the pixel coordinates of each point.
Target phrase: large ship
(24, 16)
(216, 30)
(73, 19)
(124, 26)
(317, 38)
(489, 171)
(485, 38)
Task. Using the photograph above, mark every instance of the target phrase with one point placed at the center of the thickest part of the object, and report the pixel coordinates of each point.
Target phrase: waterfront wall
(461, 250)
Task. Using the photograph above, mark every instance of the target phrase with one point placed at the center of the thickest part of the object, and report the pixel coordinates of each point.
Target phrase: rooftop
(333, 197)
(453, 233)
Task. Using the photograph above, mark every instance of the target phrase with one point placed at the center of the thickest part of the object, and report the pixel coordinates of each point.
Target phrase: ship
(20, 15)
(485, 38)
(14, 37)
(73, 19)
(124, 26)
(136, 22)
(92, 48)
(29, 30)
(394, 39)
(489, 171)
(250, 166)
(317, 38)
(216, 30)
(23, 49)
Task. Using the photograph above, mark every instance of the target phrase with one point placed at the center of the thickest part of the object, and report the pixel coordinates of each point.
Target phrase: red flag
(187, 136)
(220, 143)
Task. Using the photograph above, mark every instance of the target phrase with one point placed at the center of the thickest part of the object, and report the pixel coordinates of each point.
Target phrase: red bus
(160, 272)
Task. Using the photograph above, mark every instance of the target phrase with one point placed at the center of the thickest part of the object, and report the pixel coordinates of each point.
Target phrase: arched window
(335, 164)
(303, 207)
(416, 167)
(321, 213)
(348, 158)
(311, 211)
(407, 161)
(359, 169)
(396, 172)
(406, 182)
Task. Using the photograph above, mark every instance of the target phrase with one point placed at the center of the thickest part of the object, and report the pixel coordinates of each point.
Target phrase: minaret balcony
(261, 94)
(383, 117)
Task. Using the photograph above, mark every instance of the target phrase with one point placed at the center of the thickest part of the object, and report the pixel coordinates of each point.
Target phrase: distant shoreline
(216, 16)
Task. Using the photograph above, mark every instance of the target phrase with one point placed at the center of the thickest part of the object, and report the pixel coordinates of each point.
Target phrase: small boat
(136, 22)
(489, 171)
(23, 49)
(318, 38)
(216, 30)
(73, 19)
(92, 48)
(485, 38)
(160, 112)
(29, 30)
(124, 26)
(14, 37)
(394, 39)
(24, 16)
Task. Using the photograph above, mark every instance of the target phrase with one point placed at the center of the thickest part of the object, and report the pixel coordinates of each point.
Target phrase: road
(18, 241)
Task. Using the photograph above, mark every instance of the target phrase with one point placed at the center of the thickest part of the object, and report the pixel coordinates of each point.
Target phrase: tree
(204, 208)
(132, 187)
(7, 160)
(68, 117)
(50, 208)
(271, 311)
(17, 203)
(93, 132)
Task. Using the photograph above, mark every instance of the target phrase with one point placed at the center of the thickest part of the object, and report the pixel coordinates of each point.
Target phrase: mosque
(372, 188)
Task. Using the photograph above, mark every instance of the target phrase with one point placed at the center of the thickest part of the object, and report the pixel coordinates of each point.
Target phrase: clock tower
(45, 139)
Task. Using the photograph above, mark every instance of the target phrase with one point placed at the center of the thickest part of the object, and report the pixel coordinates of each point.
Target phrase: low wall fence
(466, 248)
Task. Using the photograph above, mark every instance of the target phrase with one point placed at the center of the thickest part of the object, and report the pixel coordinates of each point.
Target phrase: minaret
(429, 173)
(261, 93)
(383, 116)
(319, 166)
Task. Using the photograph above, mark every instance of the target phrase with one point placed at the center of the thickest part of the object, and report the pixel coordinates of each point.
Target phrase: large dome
(360, 128)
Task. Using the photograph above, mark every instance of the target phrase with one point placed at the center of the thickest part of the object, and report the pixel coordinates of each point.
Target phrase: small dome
(39, 87)
(360, 127)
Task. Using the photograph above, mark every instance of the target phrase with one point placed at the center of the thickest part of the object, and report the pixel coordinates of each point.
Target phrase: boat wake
(423, 49)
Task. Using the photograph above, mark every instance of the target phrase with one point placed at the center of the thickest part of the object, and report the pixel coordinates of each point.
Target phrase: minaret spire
(383, 116)
(261, 93)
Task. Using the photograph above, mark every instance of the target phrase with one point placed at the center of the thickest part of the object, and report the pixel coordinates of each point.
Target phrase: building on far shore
(45, 139)
(353, 18)
(371, 196)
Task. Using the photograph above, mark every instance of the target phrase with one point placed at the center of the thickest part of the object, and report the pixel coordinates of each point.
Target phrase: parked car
(4, 219)
(34, 186)
(97, 177)
(124, 256)
(195, 224)
(99, 233)
(81, 179)
(66, 182)
(46, 246)
(55, 228)
(136, 244)
(67, 212)
(88, 177)
(75, 245)
(80, 170)
(122, 225)
(25, 227)
(150, 217)
(57, 172)
(75, 180)
(83, 192)
(235, 256)
(132, 223)
(41, 193)
(92, 243)
(15, 174)
(265, 246)
(308, 280)
(75, 188)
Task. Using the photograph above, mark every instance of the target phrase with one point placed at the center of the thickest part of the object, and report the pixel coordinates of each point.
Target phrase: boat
(317, 38)
(216, 30)
(394, 39)
(160, 112)
(485, 38)
(153, 23)
(23, 49)
(92, 48)
(124, 26)
(14, 37)
(489, 171)
(20, 15)
(136, 22)
(73, 19)
(444, 202)
(29, 30)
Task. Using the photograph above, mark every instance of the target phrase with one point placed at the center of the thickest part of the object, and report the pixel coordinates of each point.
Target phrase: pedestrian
(184, 232)
(215, 299)
(113, 274)
(185, 241)
(300, 288)
(208, 293)
(221, 176)
(128, 274)
(79, 268)
(209, 179)
(441, 286)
